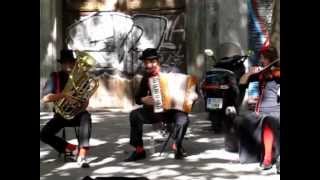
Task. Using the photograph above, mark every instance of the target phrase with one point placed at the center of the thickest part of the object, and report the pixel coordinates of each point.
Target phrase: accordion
(173, 91)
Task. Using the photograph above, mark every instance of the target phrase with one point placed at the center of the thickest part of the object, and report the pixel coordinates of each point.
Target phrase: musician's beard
(154, 71)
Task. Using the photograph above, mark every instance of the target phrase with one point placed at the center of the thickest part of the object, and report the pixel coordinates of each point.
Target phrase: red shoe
(134, 156)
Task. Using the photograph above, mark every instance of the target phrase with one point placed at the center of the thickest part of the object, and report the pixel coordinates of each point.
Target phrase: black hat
(66, 55)
(149, 53)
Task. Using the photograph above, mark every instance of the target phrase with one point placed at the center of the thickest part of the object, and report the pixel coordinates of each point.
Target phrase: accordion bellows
(173, 91)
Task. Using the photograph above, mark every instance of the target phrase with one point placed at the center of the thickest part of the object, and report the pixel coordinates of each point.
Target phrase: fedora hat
(149, 53)
(66, 55)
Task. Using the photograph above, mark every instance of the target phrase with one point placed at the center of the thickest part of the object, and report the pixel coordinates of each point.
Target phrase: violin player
(259, 130)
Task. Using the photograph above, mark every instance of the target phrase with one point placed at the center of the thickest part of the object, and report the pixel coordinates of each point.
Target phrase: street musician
(261, 127)
(53, 93)
(154, 110)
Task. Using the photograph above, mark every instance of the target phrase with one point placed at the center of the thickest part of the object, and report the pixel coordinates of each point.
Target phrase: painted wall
(116, 31)
(116, 40)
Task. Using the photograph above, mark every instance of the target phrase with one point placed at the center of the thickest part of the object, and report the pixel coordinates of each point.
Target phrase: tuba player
(52, 93)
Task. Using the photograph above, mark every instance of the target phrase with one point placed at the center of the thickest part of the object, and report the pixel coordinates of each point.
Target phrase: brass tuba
(80, 87)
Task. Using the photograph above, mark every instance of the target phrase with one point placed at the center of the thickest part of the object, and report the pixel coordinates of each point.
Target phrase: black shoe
(184, 154)
(69, 157)
(136, 156)
(278, 165)
(265, 166)
(83, 162)
(182, 150)
(180, 154)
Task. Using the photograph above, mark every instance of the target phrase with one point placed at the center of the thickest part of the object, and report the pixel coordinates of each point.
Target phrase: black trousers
(49, 131)
(142, 116)
(249, 128)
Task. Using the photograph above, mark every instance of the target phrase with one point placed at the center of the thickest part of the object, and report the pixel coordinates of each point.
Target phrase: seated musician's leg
(274, 123)
(84, 137)
(49, 131)
(181, 125)
(270, 139)
(137, 118)
(249, 133)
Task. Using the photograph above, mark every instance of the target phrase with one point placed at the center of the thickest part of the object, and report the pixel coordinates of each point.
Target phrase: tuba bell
(80, 87)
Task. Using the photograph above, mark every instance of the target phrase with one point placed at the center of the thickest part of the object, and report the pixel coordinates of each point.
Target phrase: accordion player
(173, 91)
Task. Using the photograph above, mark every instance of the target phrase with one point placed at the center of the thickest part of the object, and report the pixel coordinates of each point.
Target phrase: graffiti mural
(173, 46)
(154, 28)
(116, 39)
(108, 37)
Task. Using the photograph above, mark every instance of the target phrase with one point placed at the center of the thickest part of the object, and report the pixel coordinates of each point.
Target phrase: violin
(275, 72)
(269, 72)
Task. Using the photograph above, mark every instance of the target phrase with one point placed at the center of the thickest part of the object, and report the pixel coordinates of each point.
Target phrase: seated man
(52, 93)
(259, 130)
(146, 115)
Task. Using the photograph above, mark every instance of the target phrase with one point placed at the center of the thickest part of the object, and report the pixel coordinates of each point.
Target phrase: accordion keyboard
(156, 93)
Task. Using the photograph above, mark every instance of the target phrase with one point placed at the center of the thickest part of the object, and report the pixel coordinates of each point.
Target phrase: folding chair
(169, 128)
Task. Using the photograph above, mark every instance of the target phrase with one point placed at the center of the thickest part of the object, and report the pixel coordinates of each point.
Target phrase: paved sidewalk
(110, 136)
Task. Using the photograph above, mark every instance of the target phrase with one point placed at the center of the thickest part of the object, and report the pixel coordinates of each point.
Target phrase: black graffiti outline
(166, 34)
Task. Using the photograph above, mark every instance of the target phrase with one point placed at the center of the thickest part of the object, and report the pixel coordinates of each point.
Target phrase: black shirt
(144, 90)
